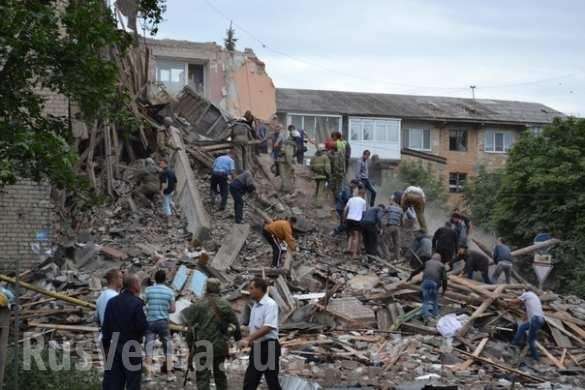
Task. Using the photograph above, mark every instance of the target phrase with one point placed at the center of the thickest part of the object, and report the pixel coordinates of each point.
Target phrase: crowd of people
(132, 312)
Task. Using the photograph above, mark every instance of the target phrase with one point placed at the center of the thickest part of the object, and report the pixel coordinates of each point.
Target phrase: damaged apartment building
(452, 136)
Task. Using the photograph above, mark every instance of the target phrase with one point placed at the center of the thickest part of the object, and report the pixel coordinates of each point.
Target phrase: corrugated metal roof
(412, 106)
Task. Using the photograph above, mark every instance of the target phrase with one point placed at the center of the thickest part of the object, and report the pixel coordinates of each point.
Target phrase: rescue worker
(221, 171)
(321, 168)
(460, 229)
(241, 136)
(343, 147)
(371, 225)
(277, 232)
(243, 184)
(341, 199)
(534, 321)
(337, 161)
(434, 275)
(211, 322)
(147, 182)
(286, 160)
(503, 259)
(364, 176)
(394, 215)
(445, 243)
(414, 197)
(475, 261)
(422, 247)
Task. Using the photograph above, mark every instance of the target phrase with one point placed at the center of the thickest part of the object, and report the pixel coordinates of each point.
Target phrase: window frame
(424, 129)
(374, 126)
(466, 137)
(289, 116)
(506, 134)
(459, 186)
(185, 62)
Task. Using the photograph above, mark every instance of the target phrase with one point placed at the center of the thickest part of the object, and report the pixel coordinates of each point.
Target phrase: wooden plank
(501, 366)
(466, 364)
(575, 328)
(533, 248)
(229, 251)
(76, 328)
(479, 311)
(560, 334)
(550, 357)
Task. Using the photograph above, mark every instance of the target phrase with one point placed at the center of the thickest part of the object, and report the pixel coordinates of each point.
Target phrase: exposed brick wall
(55, 104)
(25, 208)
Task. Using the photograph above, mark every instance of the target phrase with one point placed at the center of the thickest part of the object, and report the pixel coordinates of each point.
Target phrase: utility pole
(473, 91)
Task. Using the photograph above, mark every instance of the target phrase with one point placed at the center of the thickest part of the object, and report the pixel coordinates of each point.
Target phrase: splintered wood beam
(466, 364)
(501, 366)
(481, 309)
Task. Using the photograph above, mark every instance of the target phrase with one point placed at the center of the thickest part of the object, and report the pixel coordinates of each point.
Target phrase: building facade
(454, 135)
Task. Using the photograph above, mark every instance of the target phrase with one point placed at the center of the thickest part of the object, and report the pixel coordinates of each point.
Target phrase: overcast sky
(532, 50)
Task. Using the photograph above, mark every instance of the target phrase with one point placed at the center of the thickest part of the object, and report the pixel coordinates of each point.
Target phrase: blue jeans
(430, 292)
(372, 191)
(166, 204)
(532, 327)
(160, 329)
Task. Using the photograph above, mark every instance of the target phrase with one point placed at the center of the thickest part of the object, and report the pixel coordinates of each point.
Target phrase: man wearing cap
(211, 322)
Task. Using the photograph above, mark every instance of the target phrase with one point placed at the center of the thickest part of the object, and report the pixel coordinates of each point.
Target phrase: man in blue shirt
(160, 301)
(223, 167)
(123, 329)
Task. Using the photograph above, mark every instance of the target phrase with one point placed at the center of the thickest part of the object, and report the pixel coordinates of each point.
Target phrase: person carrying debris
(503, 259)
(474, 261)
(364, 176)
(394, 215)
(371, 227)
(286, 160)
(337, 161)
(263, 339)
(276, 233)
(414, 197)
(160, 301)
(122, 333)
(434, 275)
(354, 212)
(147, 182)
(211, 322)
(321, 168)
(243, 184)
(221, 171)
(535, 321)
(445, 243)
(168, 183)
(114, 280)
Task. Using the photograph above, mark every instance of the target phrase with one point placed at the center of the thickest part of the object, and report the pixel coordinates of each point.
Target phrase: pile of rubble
(343, 322)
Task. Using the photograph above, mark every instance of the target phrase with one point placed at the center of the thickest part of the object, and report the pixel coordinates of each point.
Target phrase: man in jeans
(535, 317)
(223, 167)
(434, 274)
(160, 301)
(394, 215)
(364, 176)
(168, 183)
(503, 259)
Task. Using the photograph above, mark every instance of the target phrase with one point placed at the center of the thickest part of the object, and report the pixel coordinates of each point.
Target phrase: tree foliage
(45, 45)
(230, 39)
(481, 194)
(543, 189)
(416, 174)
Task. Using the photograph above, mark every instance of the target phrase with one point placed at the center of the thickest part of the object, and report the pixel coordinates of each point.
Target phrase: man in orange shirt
(275, 233)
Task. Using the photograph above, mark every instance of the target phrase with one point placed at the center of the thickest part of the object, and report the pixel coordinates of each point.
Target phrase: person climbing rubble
(363, 175)
(475, 261)
(278, 232)
(414, 197)
(321, 168)
(371, 226)
(434, 277)
(212, 323)
(445, 242)
(460, 230)
(286, 159)
(243, 184)
(241, 135)
(147, 182)
(503, 259)
(168, 183)
(354, 212)
(221, 171)
(535, 321)
(341, 199)
(337, 161)
(394, 216)
(421, 249)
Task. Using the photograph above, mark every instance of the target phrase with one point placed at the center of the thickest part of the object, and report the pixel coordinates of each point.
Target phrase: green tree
(480, 195)
(230, 39)
(64, 48)
(416, 174)
(543, 188)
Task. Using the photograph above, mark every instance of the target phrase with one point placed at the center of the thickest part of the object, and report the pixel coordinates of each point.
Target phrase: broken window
(317, 127)
(417, 139)
(197, 78)
(456, 181)
(171, 74)
(458, 140)
(498, 141)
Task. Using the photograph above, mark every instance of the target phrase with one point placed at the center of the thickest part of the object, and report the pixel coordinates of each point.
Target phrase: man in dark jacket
(445, 243)
(123, 329)
(243, 184)
(503, 259)
(371, 226)
(475, 261)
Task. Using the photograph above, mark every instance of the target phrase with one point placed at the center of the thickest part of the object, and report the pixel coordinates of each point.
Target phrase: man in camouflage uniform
(241, 135)
(147, 182)
(337, 161)
(285, 163)
(211, 320)
(321, 168)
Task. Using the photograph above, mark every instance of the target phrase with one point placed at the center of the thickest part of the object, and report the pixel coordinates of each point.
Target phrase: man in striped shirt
(160, 301)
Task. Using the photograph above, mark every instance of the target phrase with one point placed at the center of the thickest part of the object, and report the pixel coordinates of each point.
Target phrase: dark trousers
(484, 275)
(120, 377)
(447, 255)
(203, 375)
(264, 361)
(371, 190)
(219, 185)
(394, 238)
(276, 250)
(238, 196)
(370, 233)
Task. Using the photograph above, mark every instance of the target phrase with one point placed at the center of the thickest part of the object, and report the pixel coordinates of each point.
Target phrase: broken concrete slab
(113, 252)
(351, 309)
(231, 247)
(364, 282)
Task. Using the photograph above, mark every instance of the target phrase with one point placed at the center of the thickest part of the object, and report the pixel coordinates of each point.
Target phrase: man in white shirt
(114, 278)
(263, 339)
(535, 321)
(353, 214)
